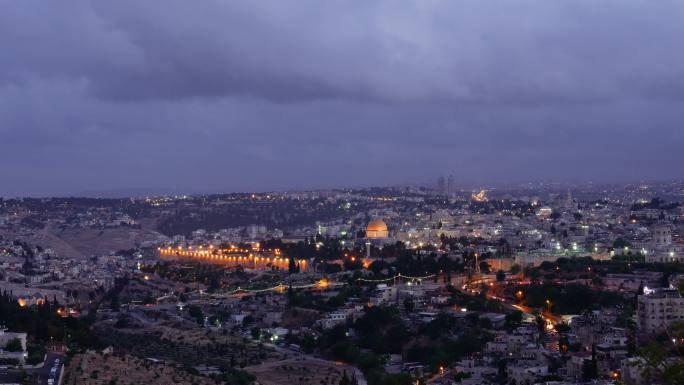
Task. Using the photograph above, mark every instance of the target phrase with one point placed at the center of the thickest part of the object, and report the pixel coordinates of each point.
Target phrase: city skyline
(270, 192)
(430, 186)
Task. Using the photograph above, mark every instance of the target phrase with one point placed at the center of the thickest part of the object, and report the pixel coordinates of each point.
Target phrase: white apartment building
(657, 310)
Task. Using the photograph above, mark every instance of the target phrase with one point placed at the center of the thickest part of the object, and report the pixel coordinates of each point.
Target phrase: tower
(451, 184)
(441, 185)
(569, 202)
(662, 237)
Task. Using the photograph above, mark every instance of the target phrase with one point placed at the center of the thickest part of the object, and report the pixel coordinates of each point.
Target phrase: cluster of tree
(406, 261)
(381, 331)
(196, 312)
(14, 345)
(312, 300)
(661, 361)
(346, 380)
(568, 299)
(655, 204)
(210, 275)
(586, 267)
(478, 302)
(233, 376)
(444, 352)
(112, 296)
(41, 322)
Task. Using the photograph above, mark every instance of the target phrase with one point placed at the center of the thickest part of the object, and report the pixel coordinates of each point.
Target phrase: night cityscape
(342, 193)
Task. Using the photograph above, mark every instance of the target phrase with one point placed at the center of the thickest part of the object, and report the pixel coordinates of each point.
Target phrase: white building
(664, 250)
(526, 372)
(7, 337)
(657, 310)
(333, 319)
(383, 295)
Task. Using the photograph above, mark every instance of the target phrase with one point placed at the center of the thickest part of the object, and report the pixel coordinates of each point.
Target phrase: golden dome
(377, 225)
(377, 228)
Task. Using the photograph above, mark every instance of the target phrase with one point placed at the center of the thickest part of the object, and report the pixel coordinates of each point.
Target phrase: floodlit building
(377, 229)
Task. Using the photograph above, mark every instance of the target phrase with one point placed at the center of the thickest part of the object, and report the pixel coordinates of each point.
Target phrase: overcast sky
(217, 95)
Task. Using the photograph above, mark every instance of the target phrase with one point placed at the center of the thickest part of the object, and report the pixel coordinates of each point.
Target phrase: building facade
(658, 310)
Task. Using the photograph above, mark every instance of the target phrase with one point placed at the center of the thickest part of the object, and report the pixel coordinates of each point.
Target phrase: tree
(541, 328)
(589, 368)
(500, 276)
(14, 345)
(562, 328)
(531, 273)
(214, 283)
(256, 333)
(196, 313)
(115, 304)
(620, 243)
(514, 319)
(122, 321)
(658, 364)
(344, 380)
(409, 305)
(515, 269)
(547, 265)
(292, 266)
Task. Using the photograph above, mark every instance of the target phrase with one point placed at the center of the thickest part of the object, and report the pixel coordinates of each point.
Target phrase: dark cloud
(217, 95)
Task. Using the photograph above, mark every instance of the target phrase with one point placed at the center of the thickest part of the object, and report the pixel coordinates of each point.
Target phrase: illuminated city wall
(232, 257)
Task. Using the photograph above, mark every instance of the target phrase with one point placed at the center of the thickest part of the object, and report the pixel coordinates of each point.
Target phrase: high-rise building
(441, 185)
(451, 185)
